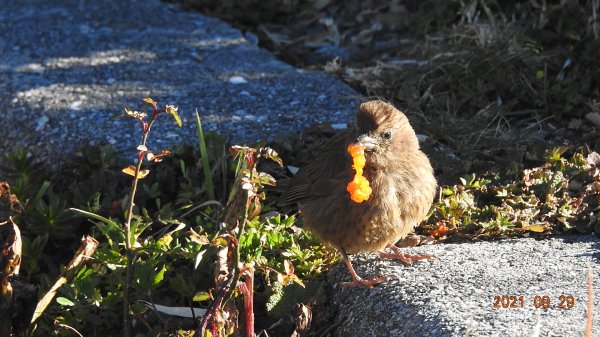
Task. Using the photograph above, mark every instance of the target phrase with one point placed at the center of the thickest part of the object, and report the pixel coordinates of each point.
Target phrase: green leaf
(45, 185)
(64, 301)
(201, 296)
(540, 74)
(556, 154)
(83, 273)
(95, 216)
(159, 276)
(173, 111)
(266, 179)
(208, 181)
(448, 191)
(199, 258)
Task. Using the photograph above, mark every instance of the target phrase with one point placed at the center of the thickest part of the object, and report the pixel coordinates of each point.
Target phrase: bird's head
(383, 130)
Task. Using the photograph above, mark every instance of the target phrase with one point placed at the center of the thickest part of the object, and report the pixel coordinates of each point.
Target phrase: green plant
(151, 257)
(560, 195)
(137, 173)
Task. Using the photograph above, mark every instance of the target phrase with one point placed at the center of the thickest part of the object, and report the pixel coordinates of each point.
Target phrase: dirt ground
(490, 85)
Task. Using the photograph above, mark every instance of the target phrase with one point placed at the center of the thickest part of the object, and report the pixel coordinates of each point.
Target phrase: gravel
(453, 295)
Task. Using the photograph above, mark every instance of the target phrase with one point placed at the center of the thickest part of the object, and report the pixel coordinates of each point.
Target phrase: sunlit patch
(101, 58)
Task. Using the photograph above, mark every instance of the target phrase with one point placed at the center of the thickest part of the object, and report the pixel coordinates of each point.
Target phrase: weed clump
(559, 196)
(161, 238)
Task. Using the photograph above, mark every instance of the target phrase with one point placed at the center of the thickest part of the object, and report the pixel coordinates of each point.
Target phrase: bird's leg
(358, 281)
(406, 259)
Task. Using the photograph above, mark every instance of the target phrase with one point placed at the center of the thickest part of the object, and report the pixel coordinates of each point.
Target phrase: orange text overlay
(537, 301)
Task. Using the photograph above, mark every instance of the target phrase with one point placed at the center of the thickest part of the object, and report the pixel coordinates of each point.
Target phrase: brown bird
(400, 176)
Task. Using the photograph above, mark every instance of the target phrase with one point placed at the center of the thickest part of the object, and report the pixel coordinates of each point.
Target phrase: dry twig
(87, 249)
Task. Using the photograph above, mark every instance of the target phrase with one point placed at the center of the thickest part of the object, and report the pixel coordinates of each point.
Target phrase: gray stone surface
(68, 66)
(454, 294)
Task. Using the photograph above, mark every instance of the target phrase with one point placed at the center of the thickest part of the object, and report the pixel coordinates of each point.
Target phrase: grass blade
(208, 182)
(94, 216)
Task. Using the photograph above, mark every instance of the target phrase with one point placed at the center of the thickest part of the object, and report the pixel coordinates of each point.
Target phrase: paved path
(68, 66)
(454, 294)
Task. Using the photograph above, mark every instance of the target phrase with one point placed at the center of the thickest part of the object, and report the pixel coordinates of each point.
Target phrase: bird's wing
(331, 165)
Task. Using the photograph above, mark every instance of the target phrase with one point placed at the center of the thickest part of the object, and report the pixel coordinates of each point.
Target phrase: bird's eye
(386, 135)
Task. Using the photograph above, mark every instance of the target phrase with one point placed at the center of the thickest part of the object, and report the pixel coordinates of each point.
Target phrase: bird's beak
(367, 142)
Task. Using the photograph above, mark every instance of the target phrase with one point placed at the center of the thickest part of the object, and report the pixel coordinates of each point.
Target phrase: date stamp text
(537, 301)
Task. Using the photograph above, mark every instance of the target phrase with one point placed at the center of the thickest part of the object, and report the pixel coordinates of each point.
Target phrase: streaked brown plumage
(400, 176)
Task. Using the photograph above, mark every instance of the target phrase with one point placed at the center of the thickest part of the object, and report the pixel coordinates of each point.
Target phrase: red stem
(129, 252)
(247, 289)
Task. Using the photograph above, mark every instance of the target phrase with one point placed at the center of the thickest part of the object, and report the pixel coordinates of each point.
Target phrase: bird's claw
(406, 259)
(359, 282)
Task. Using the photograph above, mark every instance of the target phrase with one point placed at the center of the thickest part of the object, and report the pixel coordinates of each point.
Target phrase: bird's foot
(358, 282)
(404, 258)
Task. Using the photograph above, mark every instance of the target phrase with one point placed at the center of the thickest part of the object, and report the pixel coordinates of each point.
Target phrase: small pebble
(41, 123)
(76, 105)
(237, 80)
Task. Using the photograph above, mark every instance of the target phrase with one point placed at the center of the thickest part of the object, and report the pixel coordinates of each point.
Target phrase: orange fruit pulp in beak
(358, 188)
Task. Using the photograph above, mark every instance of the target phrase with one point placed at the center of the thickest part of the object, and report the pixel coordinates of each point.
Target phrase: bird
(401, 178)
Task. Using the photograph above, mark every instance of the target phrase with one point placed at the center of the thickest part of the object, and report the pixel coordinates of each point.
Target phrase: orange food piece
(358, 188)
